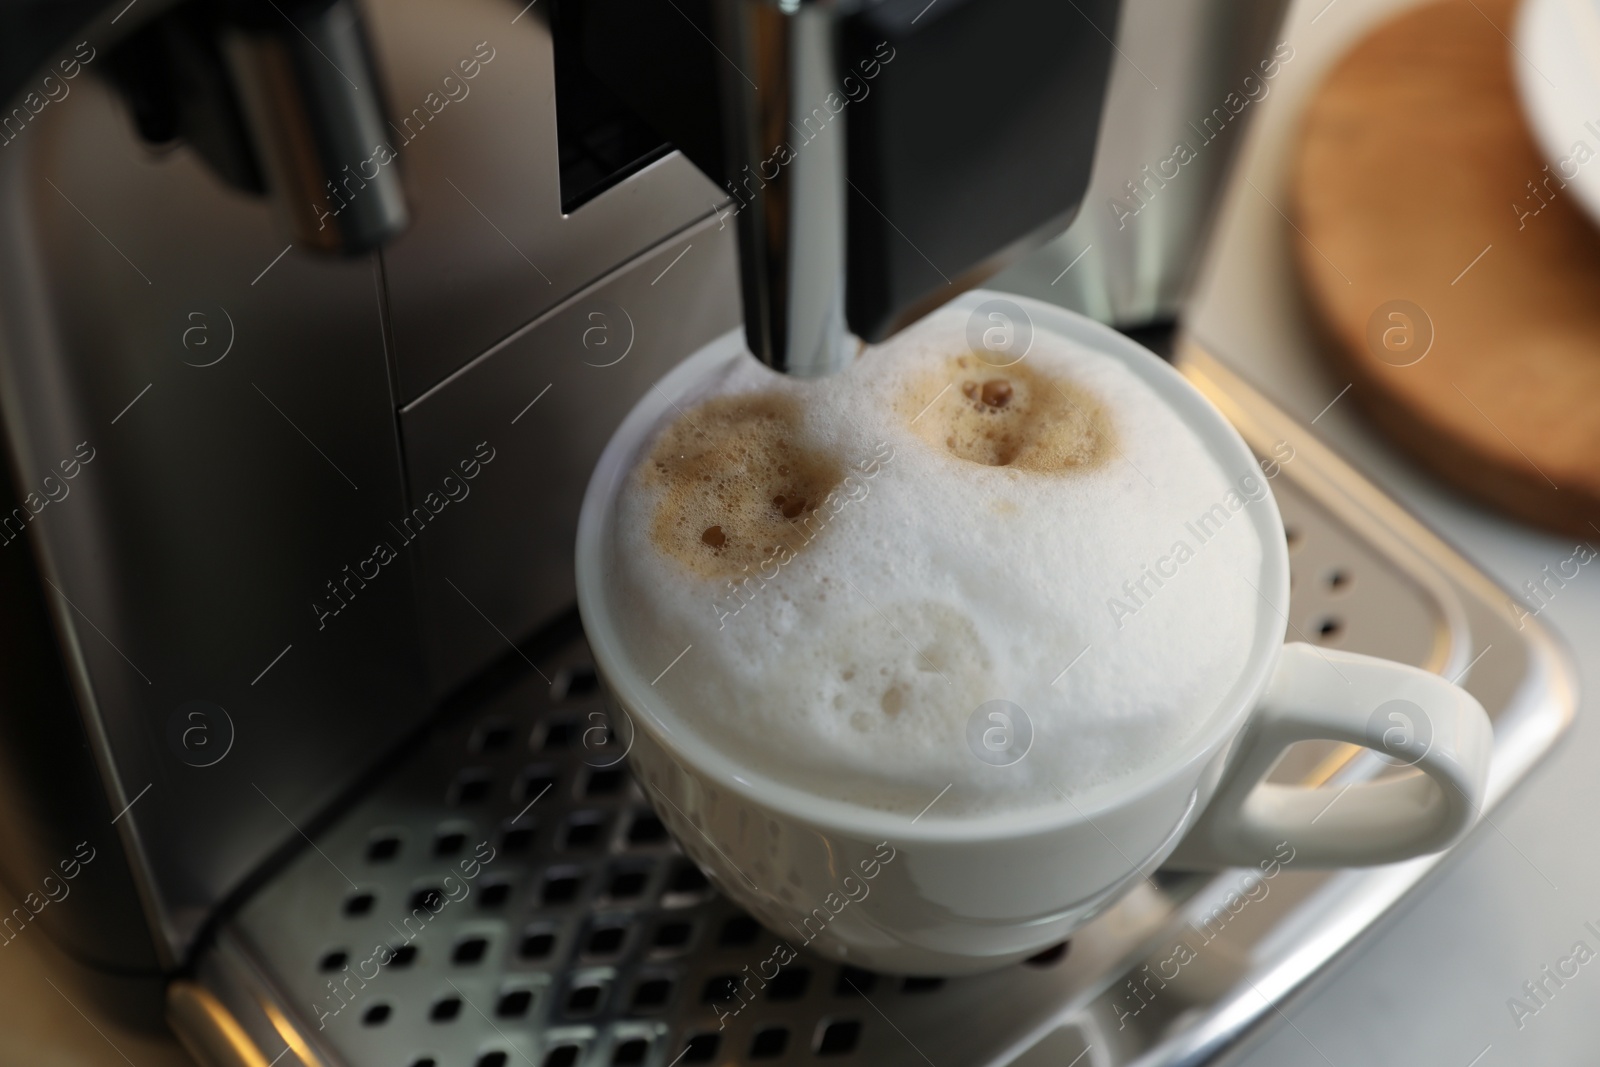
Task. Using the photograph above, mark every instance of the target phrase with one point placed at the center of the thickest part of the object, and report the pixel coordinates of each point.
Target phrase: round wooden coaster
(1457, 279)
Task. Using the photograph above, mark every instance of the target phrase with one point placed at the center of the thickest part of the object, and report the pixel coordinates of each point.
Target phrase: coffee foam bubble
(735, 483)
(950, 550)
(1016, 416)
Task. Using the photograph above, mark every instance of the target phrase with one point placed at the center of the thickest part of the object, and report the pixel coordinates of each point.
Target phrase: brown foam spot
(1017, 416)
(738, 490)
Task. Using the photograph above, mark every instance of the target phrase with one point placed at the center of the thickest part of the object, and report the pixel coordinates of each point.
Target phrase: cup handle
(1406, 714)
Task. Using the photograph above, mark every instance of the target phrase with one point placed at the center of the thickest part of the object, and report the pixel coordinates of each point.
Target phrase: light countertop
(1429, 986)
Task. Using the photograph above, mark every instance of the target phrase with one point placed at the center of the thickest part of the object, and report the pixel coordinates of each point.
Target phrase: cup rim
(841, 817)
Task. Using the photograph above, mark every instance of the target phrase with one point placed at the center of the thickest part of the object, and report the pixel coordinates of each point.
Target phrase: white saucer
(1557, 72)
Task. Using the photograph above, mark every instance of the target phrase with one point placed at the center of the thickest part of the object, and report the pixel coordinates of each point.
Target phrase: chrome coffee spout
(881, 156)
(786, 167)
(280, 98)
(316, 109)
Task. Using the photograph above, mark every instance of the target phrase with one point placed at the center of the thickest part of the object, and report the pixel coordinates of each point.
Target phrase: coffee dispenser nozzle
(882, 156)
(315, 105)
(791, 218)
(279, 97)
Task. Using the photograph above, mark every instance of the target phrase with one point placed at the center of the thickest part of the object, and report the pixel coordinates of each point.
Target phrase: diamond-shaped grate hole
(513, 1003)
(606, 940)
(651, 993)
(789, 984)
(491, 736)
(769, 1043)
(584, 830)
(470, 787)
(562, 1056)
(838, 1037)
(688, 878)
(646, 829)
(536, 945)
(469, 951)
(535, 783)
(739, 930)
(560, 887)
(604, 783)
(584, 999)
(721, 987)
(557, 734)
(673, 935)
(579, 681)
(701, 1048)
(383, 848)
(630, 1052)
(854, 982)
(625, 885)
(445, 1010)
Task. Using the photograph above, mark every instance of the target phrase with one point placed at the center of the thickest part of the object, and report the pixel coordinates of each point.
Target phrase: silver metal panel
(1129, 255)
(572, 912)
(236, 400)
(499, 562)
(489, 249)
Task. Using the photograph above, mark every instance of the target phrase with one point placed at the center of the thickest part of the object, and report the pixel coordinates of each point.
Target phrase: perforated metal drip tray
(504, 897)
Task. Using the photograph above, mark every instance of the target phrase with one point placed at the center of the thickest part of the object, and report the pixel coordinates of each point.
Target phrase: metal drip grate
(511, 898)
(507, 897)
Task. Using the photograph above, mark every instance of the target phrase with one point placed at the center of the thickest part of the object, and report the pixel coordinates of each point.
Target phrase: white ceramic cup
(896, 893)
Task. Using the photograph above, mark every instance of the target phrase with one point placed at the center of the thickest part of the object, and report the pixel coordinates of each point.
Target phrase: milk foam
(848, 659)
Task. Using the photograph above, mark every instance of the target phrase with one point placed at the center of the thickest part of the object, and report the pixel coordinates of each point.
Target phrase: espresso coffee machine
(314, 318)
